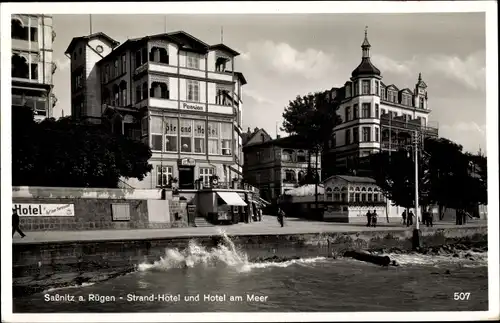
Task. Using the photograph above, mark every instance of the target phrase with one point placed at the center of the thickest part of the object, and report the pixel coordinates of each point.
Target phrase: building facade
(174, 92)
(375, 116)
(32, 65)
(275, 166)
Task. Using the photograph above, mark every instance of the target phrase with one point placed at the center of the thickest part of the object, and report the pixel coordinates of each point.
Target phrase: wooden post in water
(329, 252)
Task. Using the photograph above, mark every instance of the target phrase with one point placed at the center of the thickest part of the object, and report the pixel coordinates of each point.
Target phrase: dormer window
(192, 61)
(220, 64)
(382, 93)
(421, 104)
(348, 90)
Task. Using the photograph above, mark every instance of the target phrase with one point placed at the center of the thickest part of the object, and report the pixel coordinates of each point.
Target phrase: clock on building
(99, 49)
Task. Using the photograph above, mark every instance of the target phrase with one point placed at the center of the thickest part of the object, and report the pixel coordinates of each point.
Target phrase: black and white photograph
(253, 161)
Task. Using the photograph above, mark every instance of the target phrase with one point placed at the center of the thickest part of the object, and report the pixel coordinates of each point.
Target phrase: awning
(260, 201)
(231, 198)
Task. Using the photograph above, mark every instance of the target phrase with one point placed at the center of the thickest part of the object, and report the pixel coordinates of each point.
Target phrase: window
(351, 197)
(347, 114)
(220, 64)
(329, 194)
(377, 115)
(226, 138)
(186, 128)
(193, 91)
(383, 111)
(369, 197)
(356, 88)
(382, 93)
(34, 71)
(356, 197)
(145, 90)
(421, 103)
(363, 197)
(205, 174)
(192, 61)
(286, 156)
(348, 90)
(138, 93)
(116, 96)
(144, 126)
(366, 134)
(290, 176)
(347, 136)
(106, 73)
(355, 135)
(157, 129)
(375, 197)
(163, 175)
(355, 112)
(377, 87)
(124, 63)
(159, 90)
(301, 156)
(199, 136)
(366, 113)
(213, 138)
(18, 31)
(116, 65)
(365, 87)
(170, 129)
(20, 67)
(377, 134)
(123, 93)
(144, 56)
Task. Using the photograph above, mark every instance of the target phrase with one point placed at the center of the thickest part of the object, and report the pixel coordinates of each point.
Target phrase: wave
(226, 253)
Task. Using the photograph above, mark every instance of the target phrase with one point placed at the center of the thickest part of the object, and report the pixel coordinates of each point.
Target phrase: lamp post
(416, 230)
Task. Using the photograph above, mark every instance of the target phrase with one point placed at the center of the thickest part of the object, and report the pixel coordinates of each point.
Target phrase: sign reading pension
(31, 209)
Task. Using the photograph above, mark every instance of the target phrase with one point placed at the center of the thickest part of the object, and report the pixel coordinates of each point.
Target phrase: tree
(445, 176)
(312, 117)
(70, 153)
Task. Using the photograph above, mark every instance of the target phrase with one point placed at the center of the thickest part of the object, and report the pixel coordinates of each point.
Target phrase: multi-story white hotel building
(32, 66)
(174, 92)
(375, 116)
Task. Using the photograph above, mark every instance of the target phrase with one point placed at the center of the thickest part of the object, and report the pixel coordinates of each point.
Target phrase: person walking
(368, 219)
(409, 221)
(404, 217)
(281, 217)
(374, 218)
(15, 224)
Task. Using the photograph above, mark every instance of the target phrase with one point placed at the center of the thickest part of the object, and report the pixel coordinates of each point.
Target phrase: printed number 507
(461, 296)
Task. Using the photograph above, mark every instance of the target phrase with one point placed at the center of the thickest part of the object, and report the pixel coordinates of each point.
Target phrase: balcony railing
(411, 125)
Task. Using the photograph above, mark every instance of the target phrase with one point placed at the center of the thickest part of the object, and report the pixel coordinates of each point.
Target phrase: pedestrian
(409, 221)
(368, 219)
(15, 224)
(260, 214)
(404, 217)
(374, 219)
(281, 217)
(430, 218)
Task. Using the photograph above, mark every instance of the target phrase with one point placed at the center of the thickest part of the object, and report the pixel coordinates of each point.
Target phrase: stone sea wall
(37, 266)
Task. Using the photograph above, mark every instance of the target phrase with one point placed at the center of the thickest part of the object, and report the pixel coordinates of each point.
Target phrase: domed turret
(365, 67)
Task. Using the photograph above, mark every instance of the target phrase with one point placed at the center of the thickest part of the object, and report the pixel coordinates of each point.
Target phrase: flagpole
(90, 18)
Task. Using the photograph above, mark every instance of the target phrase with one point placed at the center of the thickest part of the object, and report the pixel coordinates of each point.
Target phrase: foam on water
(225, 253)
(68, 287)
(480, 259)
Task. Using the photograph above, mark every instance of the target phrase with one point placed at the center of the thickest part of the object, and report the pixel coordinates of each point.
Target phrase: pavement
(268, 226)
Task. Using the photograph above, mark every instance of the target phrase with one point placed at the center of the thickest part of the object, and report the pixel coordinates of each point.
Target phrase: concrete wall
(93, 209)
(83, 261)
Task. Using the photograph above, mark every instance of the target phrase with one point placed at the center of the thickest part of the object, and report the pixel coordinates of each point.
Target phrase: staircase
(200, 222)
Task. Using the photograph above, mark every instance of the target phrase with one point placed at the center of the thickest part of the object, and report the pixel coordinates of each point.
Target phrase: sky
(283, 56)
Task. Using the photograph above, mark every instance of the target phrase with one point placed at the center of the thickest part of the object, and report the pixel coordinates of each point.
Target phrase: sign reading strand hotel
(30, 209)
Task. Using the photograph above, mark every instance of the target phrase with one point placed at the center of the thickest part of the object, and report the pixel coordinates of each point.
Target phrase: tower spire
(419, 77)
(366, 45)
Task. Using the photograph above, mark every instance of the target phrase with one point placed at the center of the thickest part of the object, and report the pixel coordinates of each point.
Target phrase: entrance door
(186, 177)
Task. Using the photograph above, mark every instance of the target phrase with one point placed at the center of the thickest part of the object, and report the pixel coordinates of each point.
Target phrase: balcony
(411, 125)
(163, 103)
(223, 76)
(222, 109)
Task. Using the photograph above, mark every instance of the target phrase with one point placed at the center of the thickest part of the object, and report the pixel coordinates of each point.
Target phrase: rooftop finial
(366, 43)
(419, 77)
(366, 31)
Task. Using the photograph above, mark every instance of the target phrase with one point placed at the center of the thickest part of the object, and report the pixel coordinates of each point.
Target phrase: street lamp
(416, 231)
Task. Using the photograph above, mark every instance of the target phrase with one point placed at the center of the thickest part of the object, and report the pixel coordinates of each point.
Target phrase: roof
(188, 41)
(241, 77)
(352, 179)
(99, 35)
(407, 89)
(246, 137)
(294, 141)
(224, 48)
(365, 68)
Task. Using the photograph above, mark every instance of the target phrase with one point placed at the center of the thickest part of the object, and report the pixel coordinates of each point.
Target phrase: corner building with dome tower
(375, 117)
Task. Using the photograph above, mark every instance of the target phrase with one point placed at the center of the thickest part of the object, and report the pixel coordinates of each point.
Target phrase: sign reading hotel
(192, 107)
(30, 209)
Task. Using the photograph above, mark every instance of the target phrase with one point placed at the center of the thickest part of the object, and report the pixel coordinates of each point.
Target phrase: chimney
(256, 129)
(249, 131)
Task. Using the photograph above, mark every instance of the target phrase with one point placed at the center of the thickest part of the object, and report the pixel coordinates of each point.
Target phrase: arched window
(20, 67)
(286, 155)
(301, 175)
(19, 31)
(159, 55)
(301, 156)
(220, 64)
(329, 194)
(336, 194)
(123, 93)
(159, 90)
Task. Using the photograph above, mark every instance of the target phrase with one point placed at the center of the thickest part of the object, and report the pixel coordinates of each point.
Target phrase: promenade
(268, 226)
